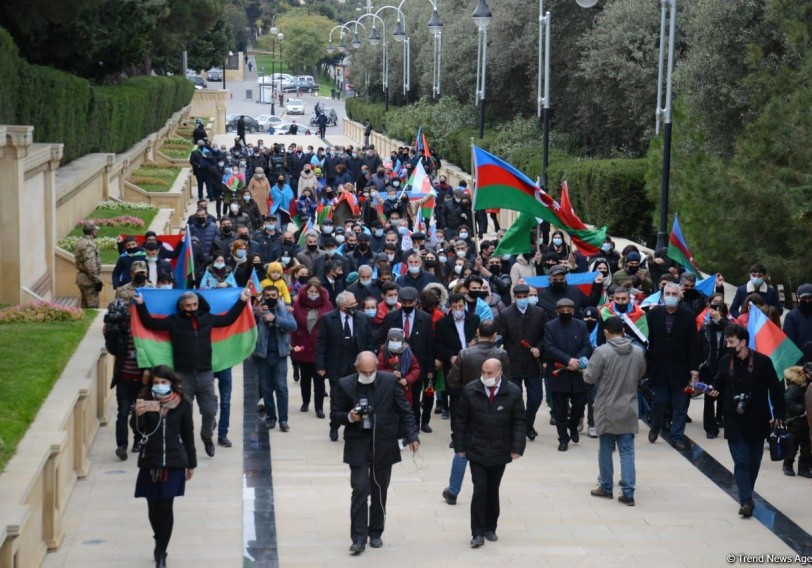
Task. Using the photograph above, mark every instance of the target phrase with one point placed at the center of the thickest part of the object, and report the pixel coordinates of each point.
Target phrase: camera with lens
(365, 411)
(741, 402)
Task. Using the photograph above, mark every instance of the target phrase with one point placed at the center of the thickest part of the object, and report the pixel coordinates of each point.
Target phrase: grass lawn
(325, 83)
(154, 178)
(110, 256)
(177, 148)
(35, 371)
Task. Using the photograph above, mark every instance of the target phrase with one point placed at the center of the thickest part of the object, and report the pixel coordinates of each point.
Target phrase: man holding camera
(753, 403)
(372, 407)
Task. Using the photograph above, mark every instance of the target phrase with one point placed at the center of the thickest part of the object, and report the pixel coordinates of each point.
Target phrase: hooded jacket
(616, 367)
(796, 391)
(522, 268)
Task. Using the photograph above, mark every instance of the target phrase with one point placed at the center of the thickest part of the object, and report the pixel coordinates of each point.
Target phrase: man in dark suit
(452, 333)
(417, 329)
(566, 344)
(343, 334)
(333, 279)
(522, 328)
(370, 442)
(673, 361)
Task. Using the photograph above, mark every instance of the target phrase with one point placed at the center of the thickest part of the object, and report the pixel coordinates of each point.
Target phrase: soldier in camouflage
(88, 264)
(138, 273)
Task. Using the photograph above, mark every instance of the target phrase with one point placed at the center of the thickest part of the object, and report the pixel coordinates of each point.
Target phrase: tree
(179, 23)
(210, 49)
(305, 38)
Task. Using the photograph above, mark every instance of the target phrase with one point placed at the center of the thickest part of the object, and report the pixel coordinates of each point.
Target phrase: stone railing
(211, 103)
(38, 481)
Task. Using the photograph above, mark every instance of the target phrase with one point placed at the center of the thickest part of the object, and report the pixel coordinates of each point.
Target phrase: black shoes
(562, 447)
(283, 426)
(789, 471)
(426, 428)
(804, 473)
(746, 510)
(628, 501)
(653, 435)
(334, 434)
(711, 435)
(575, 436)
(121, 453)
(136, 447)
(320, 414)
(224, 441)
(375, 542)
(531, 433)
(304, 408)
(552, 421)
(681, 445)
(477, 541)
(271, 423)
(209, 445)
(438, 410)
(491, 536)
(449, 497)
(358, 547)
(160, 559)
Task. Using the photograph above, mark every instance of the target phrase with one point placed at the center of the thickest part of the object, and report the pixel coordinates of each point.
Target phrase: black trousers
(126, 393)
(307, 375)
(485, 500)
(162, 520)
(367, 518)
(711, 414)
(421, 403)
(568, 409)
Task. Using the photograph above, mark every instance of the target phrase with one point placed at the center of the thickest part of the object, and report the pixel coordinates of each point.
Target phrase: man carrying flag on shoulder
(635, 324)
(190, 332)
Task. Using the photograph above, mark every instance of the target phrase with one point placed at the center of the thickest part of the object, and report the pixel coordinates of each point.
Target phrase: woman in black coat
(163, 419)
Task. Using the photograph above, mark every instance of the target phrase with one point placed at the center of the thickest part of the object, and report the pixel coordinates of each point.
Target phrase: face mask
(671, 301)
(391, 301)
(757, 281)
(312, 247)
(488, 382)
(312, 297)
(285, 260)
(458, 314)
(463, 236)
(732, 351)
(219, 265)
(558, 286)
(271, 302)
(403, 230)
(395, 346)
(221, 164)
(354, 154)
(152, 259)
(565, 318)
(476, 294)
(330, 251)
(632, 269)
(240, 253)
(606, 247)
(201, 221)
(505, 257)
(522, 303)
(557, 242)
(161, 390)
(621, 308)
(414, 270)
(590, 325)
(139, 279)
(365, 281)
(458, 268)
(259, 176)
(246, 198)
(366, 379)
(327, 229)
(340, 239)
(165, 286)
(270, 227)
(349, 311)
(533, 299)
(805, 308)
(407, 309)
(227, 230)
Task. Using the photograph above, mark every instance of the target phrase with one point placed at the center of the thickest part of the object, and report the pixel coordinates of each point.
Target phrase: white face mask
(395, 346)
(339, 238)
(390, 301)
(367, 379)
(313, 297)
(488, 382)
(165, 286)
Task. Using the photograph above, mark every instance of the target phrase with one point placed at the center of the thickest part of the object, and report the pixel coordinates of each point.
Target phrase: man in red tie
(490, 432)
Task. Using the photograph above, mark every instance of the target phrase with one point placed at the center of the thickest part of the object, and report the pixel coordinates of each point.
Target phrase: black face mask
(407, 309)
(139, 280)
(349, 247)
(244, 237)
(431, 263)
(732, 351)
(190, 313)
(632, 269)
(271, 302)
(226, 230)
(565, 318)
(805, 308)
(690, 295)
(590, 324)
(289, 243)
(621, 308)
(201, 221)
(558, 286)
(349, 311)
(312, 247)
(476, 294)
(363, 246)
(303, 279)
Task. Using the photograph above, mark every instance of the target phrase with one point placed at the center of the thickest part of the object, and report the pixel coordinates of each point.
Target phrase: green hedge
(358, 110)
(67, 109)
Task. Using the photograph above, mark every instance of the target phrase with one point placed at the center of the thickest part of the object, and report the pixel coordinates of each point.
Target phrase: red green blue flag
(768, 339)
(500, 185)
(230, 345)
(254, 283)
(581, 280)
(185, 266)
(678, 249)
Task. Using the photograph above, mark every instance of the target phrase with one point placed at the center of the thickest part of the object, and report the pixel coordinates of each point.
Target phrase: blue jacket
(283, 325)
(769, 295)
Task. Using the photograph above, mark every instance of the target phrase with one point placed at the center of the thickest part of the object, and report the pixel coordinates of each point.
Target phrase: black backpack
(117, 327)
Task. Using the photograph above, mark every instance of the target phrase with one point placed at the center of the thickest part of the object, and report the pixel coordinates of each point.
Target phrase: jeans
(625, 447)
(201, 386)
(534, 396)
(458, 466)
(224, 388)
(746, 463)
(126, 393)
(273, 373)
(367, 518)
(485, 501)
(679, 404)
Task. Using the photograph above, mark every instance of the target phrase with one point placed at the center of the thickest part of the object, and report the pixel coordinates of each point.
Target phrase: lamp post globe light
(482, 17)
(356, 41)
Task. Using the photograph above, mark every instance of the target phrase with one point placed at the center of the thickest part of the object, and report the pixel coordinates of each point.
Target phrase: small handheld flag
(678, 249)
(768, 339)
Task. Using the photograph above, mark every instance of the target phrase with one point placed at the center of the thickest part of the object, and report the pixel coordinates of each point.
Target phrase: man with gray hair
(190, 332)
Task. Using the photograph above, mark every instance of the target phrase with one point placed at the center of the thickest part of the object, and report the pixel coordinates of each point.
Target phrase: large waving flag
(230, 345)
(653, 300)
(678, 249)
(185, 266)
(517, 239)
(581, 280)
(419, 188)
(768, 339)
(421, 143)
(500, 185)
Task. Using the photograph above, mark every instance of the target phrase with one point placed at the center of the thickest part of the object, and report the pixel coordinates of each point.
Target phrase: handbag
(780, 441)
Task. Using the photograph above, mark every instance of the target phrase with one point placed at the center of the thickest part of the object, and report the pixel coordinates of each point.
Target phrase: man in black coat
(522, 329)
(673, 361)
(190, 332)
(370, 442)
(748, 419)
(490, 433)
(452, 333)
(343, 334)
(558, 289)
(566, 344)
(417, 329)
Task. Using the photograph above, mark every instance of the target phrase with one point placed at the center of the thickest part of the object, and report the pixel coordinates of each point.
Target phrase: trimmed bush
(85, 118)
(359, 111)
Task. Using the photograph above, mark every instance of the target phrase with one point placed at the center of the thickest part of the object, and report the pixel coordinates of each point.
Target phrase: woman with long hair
(163, 420)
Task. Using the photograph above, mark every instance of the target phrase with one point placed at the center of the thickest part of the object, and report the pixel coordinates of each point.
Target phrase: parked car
(251, 125)
(267, 120)
(295, 106)
(301, 86)
(274, 78)
(301, 129)
(198, 81)
(214, 74)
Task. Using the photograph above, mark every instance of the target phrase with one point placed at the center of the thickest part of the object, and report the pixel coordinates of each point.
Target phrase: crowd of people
(451, 329)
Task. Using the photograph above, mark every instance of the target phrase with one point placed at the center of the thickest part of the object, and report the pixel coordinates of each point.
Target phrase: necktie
(347, 330)
(407, 329)
(492, 394)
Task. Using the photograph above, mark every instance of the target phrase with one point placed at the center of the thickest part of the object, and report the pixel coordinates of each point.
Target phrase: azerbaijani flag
(500, 185)
(421, 143)
(678, 249)
(230, 345)
(303, 236)
(517, 239)
(420, 189)
(254, 283)
(653, 300)
(635, 320)
(581, 280)
(185, 266)
(323, 212)
(168, 242)
(567, 212)
(768, 339)
(706, 286)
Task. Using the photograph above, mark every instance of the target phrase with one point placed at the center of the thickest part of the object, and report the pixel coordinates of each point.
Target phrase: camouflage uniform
(127, 291)
(88, 264)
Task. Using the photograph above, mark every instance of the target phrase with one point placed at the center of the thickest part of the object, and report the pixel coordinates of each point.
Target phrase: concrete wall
(211, 103)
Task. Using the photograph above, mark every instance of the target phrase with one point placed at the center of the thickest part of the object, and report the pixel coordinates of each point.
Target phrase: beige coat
(261, 191)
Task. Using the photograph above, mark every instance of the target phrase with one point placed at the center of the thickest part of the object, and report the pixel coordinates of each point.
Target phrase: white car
(274, 79)
(268, 120)
(295, 106)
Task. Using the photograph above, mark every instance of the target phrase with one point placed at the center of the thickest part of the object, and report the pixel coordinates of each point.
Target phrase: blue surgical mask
(378, 232)
(463, 236)
(522, 303)
(219, 265)
(671, 301)
(533, 299)
(270, 227)
(442, 258)
(757, 281)
(370, 312)
(403, 230)
(240, 253)
(557, 241)
(247, 198)
(505, 257)
(606, 247)
(161, 390)
(365, 281)
(414, 270)
(395, 346)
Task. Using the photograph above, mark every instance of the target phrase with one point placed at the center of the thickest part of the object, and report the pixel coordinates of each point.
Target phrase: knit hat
(274, 267)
